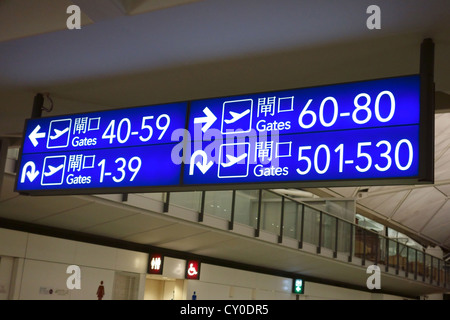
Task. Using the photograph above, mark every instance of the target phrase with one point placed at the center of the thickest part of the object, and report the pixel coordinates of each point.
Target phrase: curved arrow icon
(208, 120)
(203, 166)
(35, 134)
(30, 174)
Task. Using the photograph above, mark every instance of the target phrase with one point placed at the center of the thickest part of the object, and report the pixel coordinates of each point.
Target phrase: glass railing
(265, 210)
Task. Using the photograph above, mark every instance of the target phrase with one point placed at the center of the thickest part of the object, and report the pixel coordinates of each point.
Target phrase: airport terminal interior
(219, 235)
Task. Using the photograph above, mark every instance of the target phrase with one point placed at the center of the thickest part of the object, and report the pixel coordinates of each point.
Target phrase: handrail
(428, 270)
(346, 221)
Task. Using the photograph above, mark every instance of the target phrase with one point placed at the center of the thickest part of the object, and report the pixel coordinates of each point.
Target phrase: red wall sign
(155, 264)
(192, 270)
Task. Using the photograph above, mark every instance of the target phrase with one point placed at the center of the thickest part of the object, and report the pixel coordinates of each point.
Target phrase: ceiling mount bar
(38, 103)
(427, 103)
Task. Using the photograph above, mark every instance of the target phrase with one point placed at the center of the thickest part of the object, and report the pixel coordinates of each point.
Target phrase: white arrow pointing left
(30, 174)
(36, 135)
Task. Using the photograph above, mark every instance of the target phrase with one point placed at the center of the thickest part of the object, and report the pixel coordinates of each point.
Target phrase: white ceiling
(131, 53)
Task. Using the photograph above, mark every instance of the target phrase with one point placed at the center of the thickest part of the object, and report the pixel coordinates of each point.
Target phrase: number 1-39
(134, 165)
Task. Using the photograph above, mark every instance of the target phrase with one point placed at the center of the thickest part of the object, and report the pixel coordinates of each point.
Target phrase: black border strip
(427, 112)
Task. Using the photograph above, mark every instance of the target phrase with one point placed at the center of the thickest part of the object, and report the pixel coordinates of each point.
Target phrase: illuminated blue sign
(94, 152)
(325, 135)
(366, 132)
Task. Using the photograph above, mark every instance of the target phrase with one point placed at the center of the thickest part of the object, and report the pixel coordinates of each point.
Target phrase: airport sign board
(109, 150)
(356, 131)
(361, 133)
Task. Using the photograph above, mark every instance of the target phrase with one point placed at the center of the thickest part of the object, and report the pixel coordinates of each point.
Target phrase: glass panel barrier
(292, 219)
(368, 245)
(246, 207)
(328, 231)
(411, 260)
(372, 246)
(436, 270)
(420, 265)
(271, 204)
(402, 257)
(359, 242)
(427, 267)
(344, 234)
(311, 225)
(189, 200)
(445, 279)
(382, 250)
(392, 253)
(218, 203)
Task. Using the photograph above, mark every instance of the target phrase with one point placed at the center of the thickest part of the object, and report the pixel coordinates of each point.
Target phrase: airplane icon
(53, 170)
(236, 116)
(58, 133)
(233, 160)
(230, 169)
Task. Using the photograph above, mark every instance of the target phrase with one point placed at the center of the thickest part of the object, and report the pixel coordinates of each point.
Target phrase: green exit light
(298, 286)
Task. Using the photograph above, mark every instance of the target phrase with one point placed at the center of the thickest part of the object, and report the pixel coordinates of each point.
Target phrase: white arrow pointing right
(36, 135)
(30, 174)
(208, 120)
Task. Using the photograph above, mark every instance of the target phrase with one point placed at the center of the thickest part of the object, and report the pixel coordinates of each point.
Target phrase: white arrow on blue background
(208, 120)
(36, 135)
(30, 174)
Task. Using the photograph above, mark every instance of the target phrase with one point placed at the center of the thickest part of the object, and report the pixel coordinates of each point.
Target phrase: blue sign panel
(363, 133)
(346, 132)
(109, 150)
(375, 153)
(108, 129)
(359, 105)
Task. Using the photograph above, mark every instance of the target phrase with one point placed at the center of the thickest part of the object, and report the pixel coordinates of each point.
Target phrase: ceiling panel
(35, 208)
(200, 243)
(25, 18)
(168, 233)
(346, 192)
(126, 226)
(414, 213)
(445, 189)
(141, 6)
(84, 217)
(439, 224)
(385, 203)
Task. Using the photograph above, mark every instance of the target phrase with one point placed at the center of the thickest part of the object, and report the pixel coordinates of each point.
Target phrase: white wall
(220, 283)
(6, 270)
(43, 263)
(31, 265)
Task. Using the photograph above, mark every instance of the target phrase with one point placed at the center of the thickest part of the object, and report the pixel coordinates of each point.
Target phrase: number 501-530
(387, 153)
